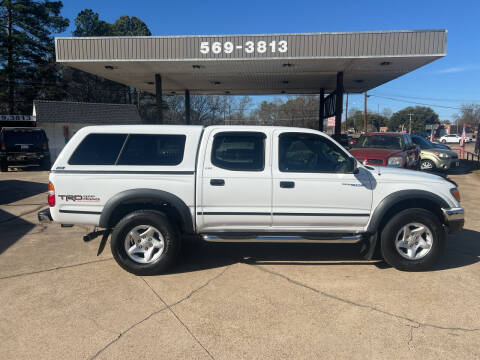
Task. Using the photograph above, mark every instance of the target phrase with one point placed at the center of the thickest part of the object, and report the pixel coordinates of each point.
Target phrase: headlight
(441, 155)
(395, 161)
(455, 193)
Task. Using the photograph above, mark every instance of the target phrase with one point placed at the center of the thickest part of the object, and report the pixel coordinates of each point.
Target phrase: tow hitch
(44, 216)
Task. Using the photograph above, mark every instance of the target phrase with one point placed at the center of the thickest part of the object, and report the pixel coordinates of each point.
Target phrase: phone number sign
(248, 47)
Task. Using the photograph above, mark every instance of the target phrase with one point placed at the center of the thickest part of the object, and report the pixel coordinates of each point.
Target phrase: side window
(98, 149)
(239, 151)
(145, 149)
(303, 152)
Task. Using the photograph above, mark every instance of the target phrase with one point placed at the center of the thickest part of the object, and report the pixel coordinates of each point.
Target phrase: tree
(420, 115)
(88, 23)
(26, 43)
(469, 115)
(374, 120)
(130, 26)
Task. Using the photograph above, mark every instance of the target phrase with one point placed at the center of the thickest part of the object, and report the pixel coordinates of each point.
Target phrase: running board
(353, 239)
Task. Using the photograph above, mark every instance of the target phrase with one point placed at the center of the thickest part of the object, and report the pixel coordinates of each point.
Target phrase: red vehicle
(387, 149)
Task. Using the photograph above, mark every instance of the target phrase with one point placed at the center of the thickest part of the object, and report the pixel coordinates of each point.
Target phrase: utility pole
(410, 129)
(365, 114)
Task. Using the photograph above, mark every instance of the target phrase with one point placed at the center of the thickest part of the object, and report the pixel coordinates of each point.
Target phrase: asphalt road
(223, 301)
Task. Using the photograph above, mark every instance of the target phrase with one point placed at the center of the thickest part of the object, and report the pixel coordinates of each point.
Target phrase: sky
(444, 85)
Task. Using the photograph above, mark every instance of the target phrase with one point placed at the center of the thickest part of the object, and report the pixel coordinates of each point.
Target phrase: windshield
(23, 136)
(380, 142)
(423, 143)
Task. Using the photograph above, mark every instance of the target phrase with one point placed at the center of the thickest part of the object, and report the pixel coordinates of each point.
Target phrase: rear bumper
(44, 216)
(454, 218)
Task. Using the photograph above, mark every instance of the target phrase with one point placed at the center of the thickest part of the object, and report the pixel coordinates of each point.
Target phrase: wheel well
(418, 203)
(126, 208)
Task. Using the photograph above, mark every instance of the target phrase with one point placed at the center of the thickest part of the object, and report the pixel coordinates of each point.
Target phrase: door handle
(217, 182)
(287, 184)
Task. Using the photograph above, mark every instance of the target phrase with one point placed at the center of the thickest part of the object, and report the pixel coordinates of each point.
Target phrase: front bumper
(44, 216)
(454, 218)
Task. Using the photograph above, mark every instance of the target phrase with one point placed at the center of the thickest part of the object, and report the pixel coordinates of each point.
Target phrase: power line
(417, 103)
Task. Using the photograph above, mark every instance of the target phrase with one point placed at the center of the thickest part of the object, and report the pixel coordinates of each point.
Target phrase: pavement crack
(363, 306)
(165, 307)
(410, 340)
(178, 318)
(53, 269)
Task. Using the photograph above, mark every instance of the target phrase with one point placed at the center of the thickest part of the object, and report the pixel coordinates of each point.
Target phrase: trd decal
(79, 198)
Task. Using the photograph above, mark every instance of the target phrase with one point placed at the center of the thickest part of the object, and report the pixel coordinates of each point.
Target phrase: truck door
(314, 188)
(235, 183)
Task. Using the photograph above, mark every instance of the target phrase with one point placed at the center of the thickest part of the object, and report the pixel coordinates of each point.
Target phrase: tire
(423, 258)
(45, 164)
(427, 165)
(444, 141)
(3, 165)
(135, 223)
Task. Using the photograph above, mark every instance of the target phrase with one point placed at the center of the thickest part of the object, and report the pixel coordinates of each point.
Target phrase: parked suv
(148, 185)
(432, 158)
(24, 146)
(386, 149)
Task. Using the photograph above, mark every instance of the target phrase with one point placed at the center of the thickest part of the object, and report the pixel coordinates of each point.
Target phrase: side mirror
(353, 166)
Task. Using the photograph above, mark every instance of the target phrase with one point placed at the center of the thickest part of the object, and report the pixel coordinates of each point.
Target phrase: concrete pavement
(228, 301)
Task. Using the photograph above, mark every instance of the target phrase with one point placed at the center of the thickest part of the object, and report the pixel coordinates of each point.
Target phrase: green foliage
(420, 115)
(374, 121)
(88, 23)
(130, 26)
(26, 50)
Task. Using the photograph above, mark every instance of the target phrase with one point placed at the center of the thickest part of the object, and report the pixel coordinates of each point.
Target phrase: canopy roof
(254, 64)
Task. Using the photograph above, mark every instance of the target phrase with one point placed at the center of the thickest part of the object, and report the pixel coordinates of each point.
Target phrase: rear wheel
(145, 242)
(444, 141)
(427, 164)
(3, 165)
(413, 240)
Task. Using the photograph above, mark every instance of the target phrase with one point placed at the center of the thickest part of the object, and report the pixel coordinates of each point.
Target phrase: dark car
(387, 149)
(24, 146)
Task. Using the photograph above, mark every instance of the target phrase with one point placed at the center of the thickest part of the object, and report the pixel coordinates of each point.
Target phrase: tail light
(44, 145)
(51, 194)
(4, 146)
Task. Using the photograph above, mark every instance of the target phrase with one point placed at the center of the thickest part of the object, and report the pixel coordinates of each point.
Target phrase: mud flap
(369, 249)
(103, 242)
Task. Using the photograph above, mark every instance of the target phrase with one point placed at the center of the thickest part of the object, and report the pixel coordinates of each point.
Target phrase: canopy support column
(158, 96)
(339, 106)
(187, 107)
(321, 110)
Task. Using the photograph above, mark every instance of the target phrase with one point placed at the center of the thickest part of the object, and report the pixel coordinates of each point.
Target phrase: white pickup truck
(150, 184)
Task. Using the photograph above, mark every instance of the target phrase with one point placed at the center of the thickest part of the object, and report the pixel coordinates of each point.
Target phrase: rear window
(23, 136)
(98, 149)
(133, 149)
(143, 149)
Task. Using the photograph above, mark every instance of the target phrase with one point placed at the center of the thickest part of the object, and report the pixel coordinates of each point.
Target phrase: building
(61, 119)
(314, 63)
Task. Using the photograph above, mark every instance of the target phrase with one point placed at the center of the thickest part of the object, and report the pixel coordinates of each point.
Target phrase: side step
(314, 238)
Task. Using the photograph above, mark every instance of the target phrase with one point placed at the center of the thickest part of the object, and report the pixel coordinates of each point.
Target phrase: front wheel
(427, 164)
(413, 240)
(145, 243)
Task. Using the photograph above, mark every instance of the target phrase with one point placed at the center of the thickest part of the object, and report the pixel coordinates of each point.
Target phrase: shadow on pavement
(15, 190)
(462, 249)
(12, 229)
